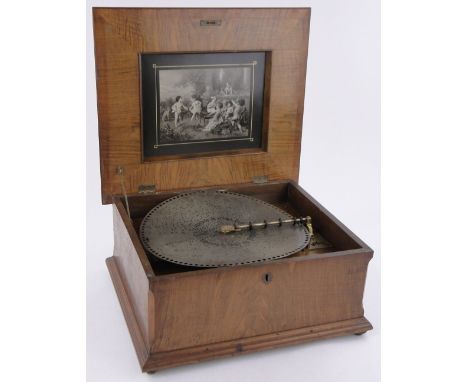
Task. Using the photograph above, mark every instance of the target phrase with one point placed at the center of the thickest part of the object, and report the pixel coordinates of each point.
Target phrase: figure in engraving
(178, 108)
(228, 110)
(228, 89)
(239, 114)
(211, 107)
(166, 114)
(195, 109)
(216, 119)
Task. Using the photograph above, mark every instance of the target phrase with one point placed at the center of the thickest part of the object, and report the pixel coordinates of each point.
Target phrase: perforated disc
(185, 230)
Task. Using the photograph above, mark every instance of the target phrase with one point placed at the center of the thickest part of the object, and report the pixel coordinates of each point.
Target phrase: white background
(340, 166)
(424, 203)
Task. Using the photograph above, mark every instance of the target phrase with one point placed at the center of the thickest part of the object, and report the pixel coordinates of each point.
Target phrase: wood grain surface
(178, 315)
(157, 360)
(121, 34)
(135, 269)
(213, 307)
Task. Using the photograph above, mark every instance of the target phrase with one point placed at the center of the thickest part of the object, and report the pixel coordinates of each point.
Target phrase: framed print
(195, 103)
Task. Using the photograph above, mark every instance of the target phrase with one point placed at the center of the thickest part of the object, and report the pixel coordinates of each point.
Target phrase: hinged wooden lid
(122, 34)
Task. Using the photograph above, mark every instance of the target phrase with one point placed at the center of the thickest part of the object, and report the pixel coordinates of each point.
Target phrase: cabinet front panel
(235, 303)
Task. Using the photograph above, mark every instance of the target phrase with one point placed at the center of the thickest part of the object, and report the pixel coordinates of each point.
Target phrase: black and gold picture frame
(194, 103)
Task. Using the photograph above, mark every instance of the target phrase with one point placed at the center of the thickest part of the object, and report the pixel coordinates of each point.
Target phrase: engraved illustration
(204, 103)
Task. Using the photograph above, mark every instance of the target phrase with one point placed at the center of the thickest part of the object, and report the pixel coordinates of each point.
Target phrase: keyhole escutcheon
(267, 277)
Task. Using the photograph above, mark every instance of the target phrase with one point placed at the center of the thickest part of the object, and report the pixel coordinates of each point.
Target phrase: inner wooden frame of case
(286, 195)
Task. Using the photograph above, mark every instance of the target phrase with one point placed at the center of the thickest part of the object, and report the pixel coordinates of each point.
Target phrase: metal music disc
(185, 230)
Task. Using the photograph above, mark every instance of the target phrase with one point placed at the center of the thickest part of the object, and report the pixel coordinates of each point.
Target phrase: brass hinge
(261, 179)
(146, 188)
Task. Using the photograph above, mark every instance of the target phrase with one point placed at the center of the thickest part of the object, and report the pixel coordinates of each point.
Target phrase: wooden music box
(218, 250)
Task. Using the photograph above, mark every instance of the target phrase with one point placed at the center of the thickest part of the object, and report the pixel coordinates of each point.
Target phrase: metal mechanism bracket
(230, 228)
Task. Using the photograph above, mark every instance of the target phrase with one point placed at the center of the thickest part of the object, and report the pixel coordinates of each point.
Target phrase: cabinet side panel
(132, 273)
(237, 303)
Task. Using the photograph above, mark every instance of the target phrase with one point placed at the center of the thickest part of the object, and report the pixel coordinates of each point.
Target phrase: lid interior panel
(122, 34)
